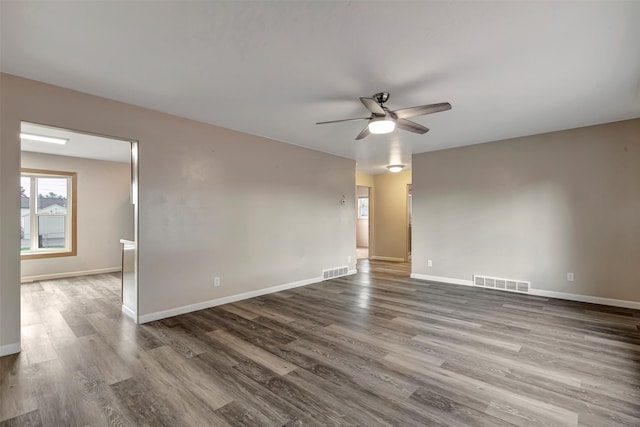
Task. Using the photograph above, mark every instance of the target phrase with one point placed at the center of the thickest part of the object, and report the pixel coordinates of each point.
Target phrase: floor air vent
(335, 272)
(501, 284)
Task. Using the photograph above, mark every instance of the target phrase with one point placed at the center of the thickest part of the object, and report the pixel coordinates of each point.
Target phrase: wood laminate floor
(376, 348)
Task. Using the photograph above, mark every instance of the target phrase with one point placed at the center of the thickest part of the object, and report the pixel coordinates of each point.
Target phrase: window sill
(36, 255)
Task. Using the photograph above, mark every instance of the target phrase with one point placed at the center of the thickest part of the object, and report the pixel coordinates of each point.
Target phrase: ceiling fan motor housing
(381, 97)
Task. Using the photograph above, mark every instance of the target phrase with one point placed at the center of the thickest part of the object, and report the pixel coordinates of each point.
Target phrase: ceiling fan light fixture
(381, 125)
(383, 120)
(395, 168)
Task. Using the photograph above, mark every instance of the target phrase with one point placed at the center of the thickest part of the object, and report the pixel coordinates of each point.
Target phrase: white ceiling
(78, 144)
(275, 68)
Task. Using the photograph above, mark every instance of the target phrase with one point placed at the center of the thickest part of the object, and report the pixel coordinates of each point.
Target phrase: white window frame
(70, 237)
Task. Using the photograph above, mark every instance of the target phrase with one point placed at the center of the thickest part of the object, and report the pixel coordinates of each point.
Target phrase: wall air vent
(511, 285)
(332, 273)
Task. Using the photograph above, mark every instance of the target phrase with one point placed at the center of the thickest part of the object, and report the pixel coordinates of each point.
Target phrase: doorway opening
(362, 222)
(79, 208)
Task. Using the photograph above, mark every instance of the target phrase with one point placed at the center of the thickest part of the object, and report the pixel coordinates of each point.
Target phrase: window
(47, 213)
(363, 207)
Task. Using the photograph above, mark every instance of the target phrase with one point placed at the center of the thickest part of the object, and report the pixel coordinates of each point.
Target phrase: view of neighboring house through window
(363, 207)
(47, 210)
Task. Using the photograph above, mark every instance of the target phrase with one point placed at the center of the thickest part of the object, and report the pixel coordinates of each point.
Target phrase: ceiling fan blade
(405, 113)
(373, 106)
(411, 126)
(364, 133)
(344, 120)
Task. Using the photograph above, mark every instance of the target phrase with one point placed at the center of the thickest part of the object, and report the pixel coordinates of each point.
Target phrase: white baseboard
(129, 313)
(386, 258)
(150, 317)
(8, 349)
(541, 292)
(586, 298)
(27, 279)
(441, 279)
(354, 271)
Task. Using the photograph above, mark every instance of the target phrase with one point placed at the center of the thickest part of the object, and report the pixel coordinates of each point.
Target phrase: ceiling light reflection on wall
(40, 138)
(381, 125)
(395, 168)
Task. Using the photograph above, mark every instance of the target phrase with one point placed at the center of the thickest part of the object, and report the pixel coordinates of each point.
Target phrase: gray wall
(535, 208)
(104, 214)
(213, 202)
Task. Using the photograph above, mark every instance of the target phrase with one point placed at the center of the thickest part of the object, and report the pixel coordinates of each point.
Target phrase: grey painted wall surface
(535, 208)
(213, 201)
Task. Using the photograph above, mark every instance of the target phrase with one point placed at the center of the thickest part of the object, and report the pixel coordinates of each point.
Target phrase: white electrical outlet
(429, 263)
(569, 277)
(349, 258)
(216, 281)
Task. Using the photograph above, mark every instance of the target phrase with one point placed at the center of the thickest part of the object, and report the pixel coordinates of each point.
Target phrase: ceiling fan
(383, 120)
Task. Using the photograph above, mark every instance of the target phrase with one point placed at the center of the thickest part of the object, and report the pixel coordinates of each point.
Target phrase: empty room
(282, 213)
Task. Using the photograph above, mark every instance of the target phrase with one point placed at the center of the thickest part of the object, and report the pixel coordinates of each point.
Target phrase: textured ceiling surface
(275, 68)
